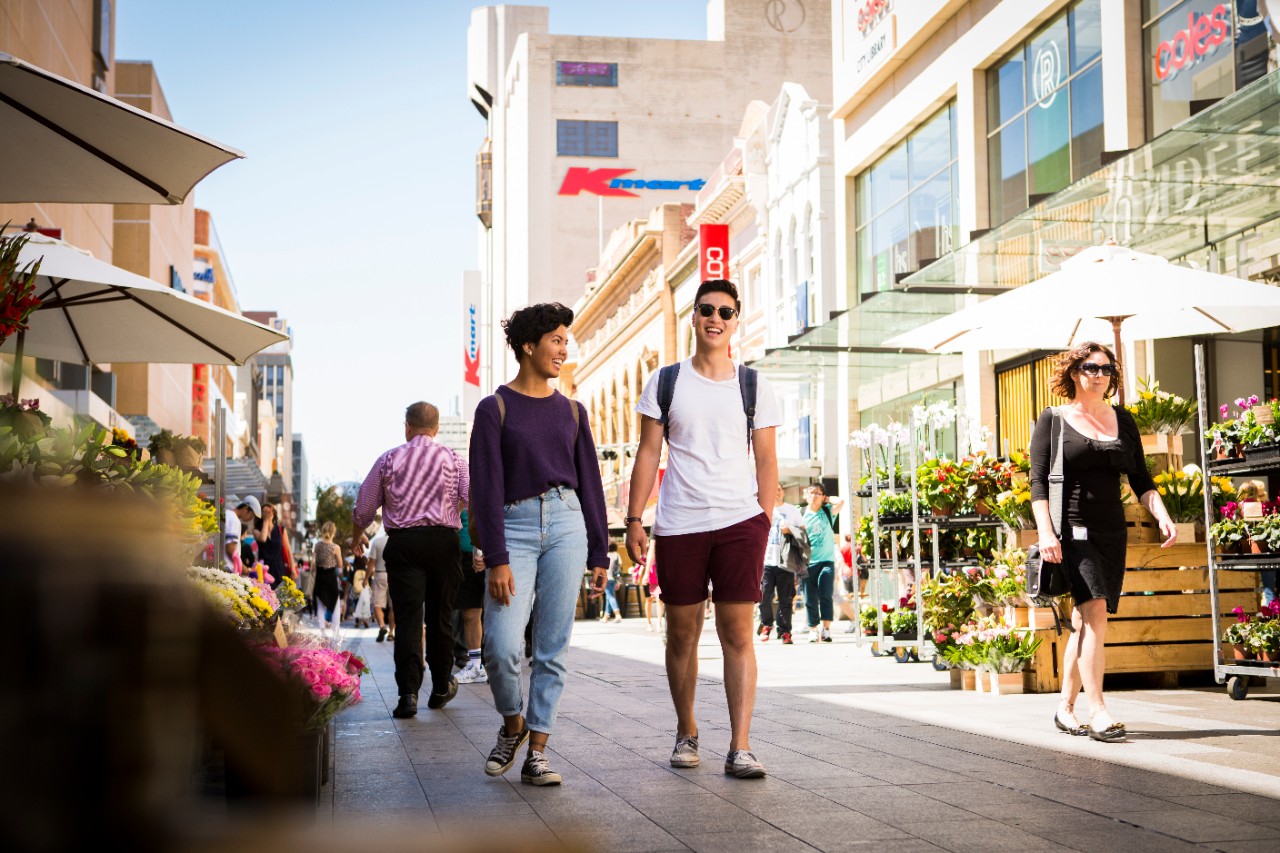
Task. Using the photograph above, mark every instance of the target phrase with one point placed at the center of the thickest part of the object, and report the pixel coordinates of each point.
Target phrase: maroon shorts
(731, 558)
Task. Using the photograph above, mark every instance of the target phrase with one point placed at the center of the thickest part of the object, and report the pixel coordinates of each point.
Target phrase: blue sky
(353, 214)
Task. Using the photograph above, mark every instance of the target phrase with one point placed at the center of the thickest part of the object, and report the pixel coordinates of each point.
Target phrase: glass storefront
(1198, 52)
(1044, 112)
(907, 205)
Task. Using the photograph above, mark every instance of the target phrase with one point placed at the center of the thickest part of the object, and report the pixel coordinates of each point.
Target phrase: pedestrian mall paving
(862, 753)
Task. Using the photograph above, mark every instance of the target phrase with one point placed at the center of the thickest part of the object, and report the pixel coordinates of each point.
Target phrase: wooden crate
(1164, 621)
(1142, 524)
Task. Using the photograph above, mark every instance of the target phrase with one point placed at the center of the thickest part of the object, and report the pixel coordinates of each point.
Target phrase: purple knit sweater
(529, 453)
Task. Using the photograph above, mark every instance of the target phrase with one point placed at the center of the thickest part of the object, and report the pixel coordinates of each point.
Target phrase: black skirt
(1096, 565)
(326, 591)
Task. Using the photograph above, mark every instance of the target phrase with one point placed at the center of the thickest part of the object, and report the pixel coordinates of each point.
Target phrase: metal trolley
(1235, 675)
(890, 572)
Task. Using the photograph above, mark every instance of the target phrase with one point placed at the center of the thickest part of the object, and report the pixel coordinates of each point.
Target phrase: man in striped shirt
(421, 487)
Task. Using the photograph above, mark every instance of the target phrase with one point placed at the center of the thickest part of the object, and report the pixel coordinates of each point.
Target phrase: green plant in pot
(943, 485)
(1238, 634)
(1264, 639)
(1230, 535)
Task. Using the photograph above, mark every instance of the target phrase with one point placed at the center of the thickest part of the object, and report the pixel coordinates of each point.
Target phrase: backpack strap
(577, 416)
(666, 393)
(502, 410)
(1055, 472)
(747, 379)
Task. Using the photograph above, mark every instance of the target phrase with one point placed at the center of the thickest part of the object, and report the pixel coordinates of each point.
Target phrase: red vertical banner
(200, 401)
(713, 251)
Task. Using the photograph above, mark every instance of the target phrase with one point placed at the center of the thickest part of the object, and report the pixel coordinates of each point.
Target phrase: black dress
(326, 590)
(1091, 471)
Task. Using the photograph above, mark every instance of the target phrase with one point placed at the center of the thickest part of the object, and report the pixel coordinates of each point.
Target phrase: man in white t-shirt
(713, 517)
(231, 541)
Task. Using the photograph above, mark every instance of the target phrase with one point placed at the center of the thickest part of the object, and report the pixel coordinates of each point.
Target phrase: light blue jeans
(547, 539)
(611, 598)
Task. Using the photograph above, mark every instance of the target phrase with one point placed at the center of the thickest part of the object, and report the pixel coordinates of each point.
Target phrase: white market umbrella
(64, 142)
(93, 312)
(1104, 292)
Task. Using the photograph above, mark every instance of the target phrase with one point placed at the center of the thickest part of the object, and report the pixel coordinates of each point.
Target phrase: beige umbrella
(67, 143)
(93, 312)
(1104, 292)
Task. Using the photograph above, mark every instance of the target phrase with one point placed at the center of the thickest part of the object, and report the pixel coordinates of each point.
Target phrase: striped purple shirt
(417, 484)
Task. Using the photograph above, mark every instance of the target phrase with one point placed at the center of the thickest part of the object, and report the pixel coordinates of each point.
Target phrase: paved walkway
(862, 753)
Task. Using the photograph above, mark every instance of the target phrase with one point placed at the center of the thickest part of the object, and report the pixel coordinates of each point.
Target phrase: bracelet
(631, 518)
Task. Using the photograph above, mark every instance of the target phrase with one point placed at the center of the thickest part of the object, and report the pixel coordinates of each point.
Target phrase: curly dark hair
(1069, 362)
(529, 324)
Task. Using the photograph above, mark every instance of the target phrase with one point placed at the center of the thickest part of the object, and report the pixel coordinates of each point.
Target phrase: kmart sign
(609, 182)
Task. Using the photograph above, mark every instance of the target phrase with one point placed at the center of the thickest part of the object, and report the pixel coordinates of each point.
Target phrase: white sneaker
(472, 673)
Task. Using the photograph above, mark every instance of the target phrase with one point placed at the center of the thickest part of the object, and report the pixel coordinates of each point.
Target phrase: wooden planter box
(1163, 623)
(1142, 524)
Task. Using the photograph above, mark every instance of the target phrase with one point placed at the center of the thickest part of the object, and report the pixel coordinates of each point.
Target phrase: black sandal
(1078, 731)
(1111, 734)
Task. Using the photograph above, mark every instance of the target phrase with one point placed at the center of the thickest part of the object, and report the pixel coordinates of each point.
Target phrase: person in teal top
(819, 520)
(470, 606)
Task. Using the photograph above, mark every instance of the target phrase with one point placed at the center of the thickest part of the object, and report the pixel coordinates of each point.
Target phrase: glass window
(586, 74)
(1181, 82)
(1036, 148)
(906, 205)
(1086, 122)
(1086, 33)
(586, 138)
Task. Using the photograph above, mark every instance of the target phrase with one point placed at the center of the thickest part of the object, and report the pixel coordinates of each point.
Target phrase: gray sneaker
(686, 752)
(743, 764)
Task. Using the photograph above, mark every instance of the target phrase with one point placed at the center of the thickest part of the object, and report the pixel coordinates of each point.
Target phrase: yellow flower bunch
(291, 598)
(1182, 492)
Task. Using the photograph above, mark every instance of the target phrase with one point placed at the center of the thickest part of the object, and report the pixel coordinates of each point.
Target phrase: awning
(854, 340)
(1210, 177)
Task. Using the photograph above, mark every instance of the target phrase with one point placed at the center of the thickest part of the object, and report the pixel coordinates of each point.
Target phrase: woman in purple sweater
(539, 507)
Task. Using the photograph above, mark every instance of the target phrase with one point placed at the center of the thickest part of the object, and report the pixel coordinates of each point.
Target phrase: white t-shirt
(376, 550)
(231, 533)
(788, 516)
(710, 482)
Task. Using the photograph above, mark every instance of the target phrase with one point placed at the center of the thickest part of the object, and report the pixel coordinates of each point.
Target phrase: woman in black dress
(328, 557)
(1099, 443)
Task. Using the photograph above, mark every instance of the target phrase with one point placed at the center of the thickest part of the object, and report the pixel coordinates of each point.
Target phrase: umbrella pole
(1119, 351)
(17, 365)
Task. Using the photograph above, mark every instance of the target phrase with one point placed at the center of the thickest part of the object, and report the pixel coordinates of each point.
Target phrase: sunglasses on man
(706, 309)
(1090, 368)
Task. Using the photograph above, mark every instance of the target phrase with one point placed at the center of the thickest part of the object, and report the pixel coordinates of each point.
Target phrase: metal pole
(220, 476)
(1215, 607)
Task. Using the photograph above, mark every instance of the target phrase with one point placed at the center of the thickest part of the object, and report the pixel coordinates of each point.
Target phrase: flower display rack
(1226, 575)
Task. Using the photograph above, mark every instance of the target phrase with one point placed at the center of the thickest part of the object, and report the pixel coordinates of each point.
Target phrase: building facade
(977, 145)
(586, 133)
(214, 384)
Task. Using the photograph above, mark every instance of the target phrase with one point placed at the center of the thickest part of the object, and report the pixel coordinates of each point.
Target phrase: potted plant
(1237, 635)
(987, 478)
(1182, 492)
(1264, 639)
(894, 506)
(903, 621)
(1008, 650)
(23, 416)
(1230, 534)
(1161, 416)
(867, 620)
(161, 447)
(17, 285)
(943, 485)
(188, 451)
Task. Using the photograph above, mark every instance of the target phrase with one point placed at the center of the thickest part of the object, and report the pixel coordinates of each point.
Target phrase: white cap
(252, 503)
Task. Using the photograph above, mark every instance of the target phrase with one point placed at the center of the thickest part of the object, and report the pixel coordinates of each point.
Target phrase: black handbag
(1047, 581)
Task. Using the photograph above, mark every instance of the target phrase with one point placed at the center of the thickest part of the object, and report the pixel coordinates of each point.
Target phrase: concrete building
(455, 433)
(213, 384)
(269, 374)
(75, 39)
(979, 144)
(301, 482)
(586, 133)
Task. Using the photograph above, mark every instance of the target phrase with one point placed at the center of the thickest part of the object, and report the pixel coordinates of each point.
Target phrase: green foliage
(1157, 411)
(86, 456)
(332, 505)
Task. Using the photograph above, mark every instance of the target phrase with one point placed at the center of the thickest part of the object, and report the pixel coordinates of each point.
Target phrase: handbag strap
(1055, 473)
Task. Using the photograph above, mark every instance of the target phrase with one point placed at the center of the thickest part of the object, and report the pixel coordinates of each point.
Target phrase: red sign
(200, 400)
(713, 251)
(579, 179)
(871, 13)
(1204, 35)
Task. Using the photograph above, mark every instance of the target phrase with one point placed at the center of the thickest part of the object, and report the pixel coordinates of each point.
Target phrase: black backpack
(747, 380)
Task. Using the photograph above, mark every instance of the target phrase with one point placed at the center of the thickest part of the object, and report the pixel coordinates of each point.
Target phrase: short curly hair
(1069, 362)
(527, 325)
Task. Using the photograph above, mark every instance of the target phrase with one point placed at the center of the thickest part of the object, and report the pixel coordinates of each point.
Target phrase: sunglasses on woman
(706, 309)
(1090, 368)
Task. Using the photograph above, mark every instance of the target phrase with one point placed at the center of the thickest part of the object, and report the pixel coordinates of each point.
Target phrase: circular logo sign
(783, 16)
(1046, 74)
